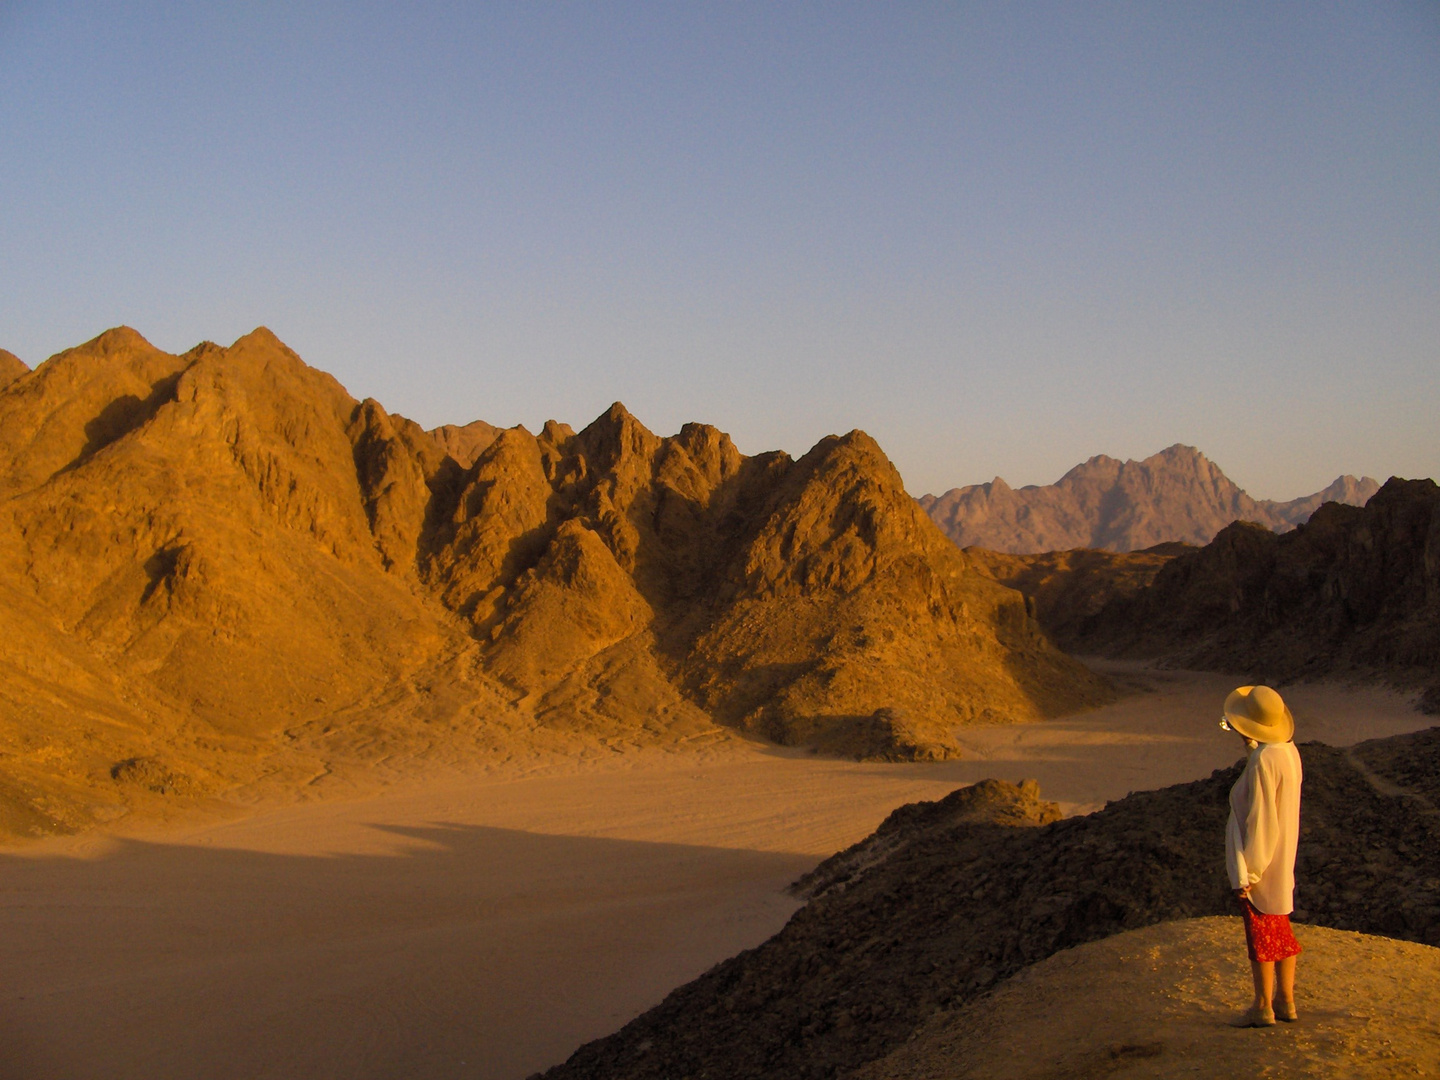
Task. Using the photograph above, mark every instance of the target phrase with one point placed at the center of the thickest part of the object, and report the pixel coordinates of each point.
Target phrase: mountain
(948, 898)
(1353, 590)
(1175, 495)
(11, 368)
(219, 569)
(465, 442)
(1344, 489)
(1066, 590)
(807, 601)
(190, 584)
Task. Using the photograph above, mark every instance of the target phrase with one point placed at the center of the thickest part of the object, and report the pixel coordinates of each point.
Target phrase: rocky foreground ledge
(1369, 1007)
(948, 898)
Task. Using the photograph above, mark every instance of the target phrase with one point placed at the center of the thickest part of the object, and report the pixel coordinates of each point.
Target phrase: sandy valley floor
(485, 926)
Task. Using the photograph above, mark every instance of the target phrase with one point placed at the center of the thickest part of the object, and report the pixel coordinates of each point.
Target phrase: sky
(999, 237)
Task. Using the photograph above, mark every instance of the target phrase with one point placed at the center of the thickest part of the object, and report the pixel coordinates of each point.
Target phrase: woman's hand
(1243, 894)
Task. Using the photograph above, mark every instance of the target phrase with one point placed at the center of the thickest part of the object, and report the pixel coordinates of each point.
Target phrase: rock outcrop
(948, 898)
(1175, 495)
(1368, 1008)
(224, 545)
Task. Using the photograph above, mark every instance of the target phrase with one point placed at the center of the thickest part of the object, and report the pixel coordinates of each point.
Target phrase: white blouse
(1264, 827)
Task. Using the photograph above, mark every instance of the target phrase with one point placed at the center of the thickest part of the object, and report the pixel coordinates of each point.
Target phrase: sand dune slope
(1154, 1003)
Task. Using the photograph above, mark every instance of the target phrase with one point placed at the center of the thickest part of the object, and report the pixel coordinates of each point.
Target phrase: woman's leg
(1261, 1013)
(1285, 977)
(1263, 974)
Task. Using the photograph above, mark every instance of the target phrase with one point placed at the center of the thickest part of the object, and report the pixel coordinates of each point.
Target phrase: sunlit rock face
(11, 368)
(211, 557)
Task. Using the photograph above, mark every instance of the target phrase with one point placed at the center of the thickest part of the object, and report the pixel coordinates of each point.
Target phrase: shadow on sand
(449, 951)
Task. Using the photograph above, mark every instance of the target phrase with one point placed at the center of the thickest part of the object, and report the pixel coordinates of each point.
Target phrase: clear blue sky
(999, 237)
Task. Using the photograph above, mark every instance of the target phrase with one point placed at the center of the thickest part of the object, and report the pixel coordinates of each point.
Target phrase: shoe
(1285, 1010)
(1254, 1016)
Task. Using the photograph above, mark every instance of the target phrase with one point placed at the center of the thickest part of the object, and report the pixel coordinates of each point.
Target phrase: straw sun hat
(1258, 713)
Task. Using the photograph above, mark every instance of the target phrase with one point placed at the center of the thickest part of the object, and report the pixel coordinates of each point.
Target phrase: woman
(1260, 844)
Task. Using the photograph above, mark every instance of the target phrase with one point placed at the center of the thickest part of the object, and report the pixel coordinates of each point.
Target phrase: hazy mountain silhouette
(1175, 495)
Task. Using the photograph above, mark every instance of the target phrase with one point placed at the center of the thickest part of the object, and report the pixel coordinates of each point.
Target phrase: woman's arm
(1235, 865)
(1262, 819)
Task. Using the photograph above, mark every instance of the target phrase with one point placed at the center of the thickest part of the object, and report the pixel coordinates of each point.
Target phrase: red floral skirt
(1268, 937)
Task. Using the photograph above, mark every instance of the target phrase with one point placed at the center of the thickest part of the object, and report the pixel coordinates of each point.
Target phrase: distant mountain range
(1176, 495)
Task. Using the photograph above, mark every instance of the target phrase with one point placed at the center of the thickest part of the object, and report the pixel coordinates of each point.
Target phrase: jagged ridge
(235, 549)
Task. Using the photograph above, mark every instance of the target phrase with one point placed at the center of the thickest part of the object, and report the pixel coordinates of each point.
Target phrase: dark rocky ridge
(941, 902)
(1175, 495)
(1354, 590)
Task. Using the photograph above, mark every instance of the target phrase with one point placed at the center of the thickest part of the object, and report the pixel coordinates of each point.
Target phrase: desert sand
(486, 925)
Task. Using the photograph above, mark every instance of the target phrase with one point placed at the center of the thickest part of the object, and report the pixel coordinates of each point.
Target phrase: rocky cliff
(1066, 590)
(1175, 495)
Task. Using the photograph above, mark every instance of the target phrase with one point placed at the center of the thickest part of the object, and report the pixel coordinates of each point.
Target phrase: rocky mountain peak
(262, 338)
(1180, 452)
(615, 436)
(465, 442)
(11, 368)
(710, 450)
(78, 402)
(118, 339)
